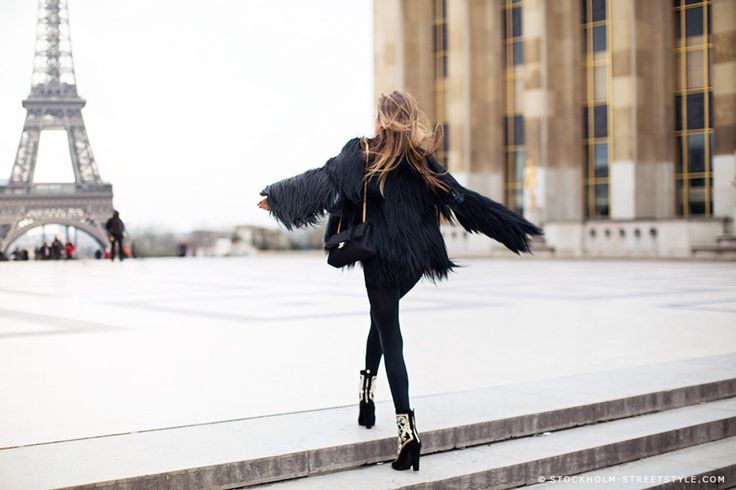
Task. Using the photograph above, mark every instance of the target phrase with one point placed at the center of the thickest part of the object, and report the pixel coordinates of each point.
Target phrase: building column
(474, 95)
(388, 46)
(553, 127)
(403, 49)
(418, 61)
(457, 93)
(724, 108)
(485, 137)
(642, 99)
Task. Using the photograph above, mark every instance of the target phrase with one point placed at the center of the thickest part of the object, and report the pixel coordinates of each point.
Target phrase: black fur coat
(404, 221)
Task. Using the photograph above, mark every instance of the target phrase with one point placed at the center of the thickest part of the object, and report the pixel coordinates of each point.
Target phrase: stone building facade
(611, 123)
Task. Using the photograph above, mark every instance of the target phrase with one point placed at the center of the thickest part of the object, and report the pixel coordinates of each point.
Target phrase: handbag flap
(335, 239)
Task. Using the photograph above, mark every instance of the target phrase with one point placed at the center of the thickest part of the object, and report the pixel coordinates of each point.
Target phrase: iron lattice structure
(54, 104)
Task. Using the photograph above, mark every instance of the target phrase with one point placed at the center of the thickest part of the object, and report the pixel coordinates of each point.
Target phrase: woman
(407, 191)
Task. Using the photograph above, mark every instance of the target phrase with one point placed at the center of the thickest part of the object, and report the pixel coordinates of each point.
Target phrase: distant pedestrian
(19, 254)
(45, 251)
(116, 231)
(181, 249)
(69, 249)
(56, 248)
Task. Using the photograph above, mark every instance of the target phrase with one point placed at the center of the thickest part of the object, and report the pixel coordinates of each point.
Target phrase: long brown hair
(405, 134)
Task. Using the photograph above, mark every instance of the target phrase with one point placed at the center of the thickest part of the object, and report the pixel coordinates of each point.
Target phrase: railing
(52, 188)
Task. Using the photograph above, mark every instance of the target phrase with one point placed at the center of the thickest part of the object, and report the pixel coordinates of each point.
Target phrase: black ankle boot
(367, 415)
(409, 445)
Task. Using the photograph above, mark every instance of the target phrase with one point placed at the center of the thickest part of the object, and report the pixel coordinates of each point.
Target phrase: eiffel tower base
(54, 104)
(85, 207)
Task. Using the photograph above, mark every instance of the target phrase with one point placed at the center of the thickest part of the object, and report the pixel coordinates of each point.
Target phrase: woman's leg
(373, 351)
(385, 313)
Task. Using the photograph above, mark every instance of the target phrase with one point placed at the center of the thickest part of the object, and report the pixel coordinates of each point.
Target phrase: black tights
(385, 339)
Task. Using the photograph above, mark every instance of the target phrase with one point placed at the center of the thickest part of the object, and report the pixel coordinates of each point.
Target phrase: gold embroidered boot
(409, 445)
(367, 414)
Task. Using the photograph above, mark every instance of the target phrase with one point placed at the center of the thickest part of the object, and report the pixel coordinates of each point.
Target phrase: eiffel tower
(54, 104)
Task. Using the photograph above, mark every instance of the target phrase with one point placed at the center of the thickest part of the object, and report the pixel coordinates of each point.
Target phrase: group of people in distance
(57, 250)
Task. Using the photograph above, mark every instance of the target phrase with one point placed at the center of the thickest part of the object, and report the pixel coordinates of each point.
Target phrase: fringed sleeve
(479, 214)
(302, 200)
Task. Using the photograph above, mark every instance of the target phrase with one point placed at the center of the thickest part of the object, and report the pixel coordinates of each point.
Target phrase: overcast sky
(194, 106)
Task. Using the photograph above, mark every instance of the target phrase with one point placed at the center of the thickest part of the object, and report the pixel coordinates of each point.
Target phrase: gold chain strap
(365, 189)
(365, 180)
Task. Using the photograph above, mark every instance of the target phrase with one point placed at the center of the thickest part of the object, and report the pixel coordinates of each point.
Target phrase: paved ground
(92, 348)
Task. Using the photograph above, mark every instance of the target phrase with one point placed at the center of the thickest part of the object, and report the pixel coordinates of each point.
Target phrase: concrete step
(711, 465)
(529, 460)
(722, 250)
(258, 450)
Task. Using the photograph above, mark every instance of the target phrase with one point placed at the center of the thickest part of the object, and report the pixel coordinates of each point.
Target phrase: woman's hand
(263, 204)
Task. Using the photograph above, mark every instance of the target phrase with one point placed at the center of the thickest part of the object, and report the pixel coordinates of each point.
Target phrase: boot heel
(367, 414)
(415, 459)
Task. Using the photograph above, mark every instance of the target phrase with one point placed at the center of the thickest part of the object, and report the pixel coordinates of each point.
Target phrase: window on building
(596, 113)
(693, 108)
(439, 48)
(513, 142)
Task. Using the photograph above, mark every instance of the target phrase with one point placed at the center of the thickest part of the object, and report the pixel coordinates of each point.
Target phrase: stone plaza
(91, 349)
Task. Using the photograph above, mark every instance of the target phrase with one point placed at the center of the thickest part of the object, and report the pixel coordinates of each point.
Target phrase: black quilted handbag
(353, 244)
